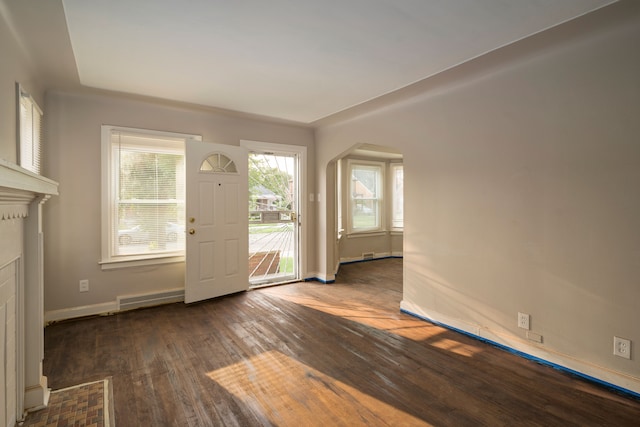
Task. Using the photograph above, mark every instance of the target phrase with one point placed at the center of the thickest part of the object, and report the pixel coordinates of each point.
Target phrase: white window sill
(358, 234)
(115, 264)
(374, 233)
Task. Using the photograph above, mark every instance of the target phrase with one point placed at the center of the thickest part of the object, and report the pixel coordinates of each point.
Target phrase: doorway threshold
(269, 284)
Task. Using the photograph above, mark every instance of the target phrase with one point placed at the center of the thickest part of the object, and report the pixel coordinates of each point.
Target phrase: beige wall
(352, 247)
(521, 192)
(72, 225)
(15, 66)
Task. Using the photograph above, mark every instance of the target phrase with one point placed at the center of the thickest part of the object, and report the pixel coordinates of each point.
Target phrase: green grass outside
(364, 221)
(286, 265)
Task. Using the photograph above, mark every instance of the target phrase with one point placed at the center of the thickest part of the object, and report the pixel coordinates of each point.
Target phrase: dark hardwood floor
(310, 354)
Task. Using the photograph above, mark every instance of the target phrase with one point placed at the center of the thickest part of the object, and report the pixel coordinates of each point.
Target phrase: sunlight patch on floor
(285, 390)
(404, 326)
(456, 347)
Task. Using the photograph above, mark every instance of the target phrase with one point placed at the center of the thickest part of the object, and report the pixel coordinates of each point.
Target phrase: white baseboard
(608, 377)
(369, 256)
(82, 311)
(122, 303)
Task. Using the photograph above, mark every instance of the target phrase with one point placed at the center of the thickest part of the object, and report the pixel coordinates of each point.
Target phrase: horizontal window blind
(397, 213)
(148, 194)
(30, 132)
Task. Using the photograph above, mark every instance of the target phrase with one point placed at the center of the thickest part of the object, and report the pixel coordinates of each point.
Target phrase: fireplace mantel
(18, 185)
(22, 194)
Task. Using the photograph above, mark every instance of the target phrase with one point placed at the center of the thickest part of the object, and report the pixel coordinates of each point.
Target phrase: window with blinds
(29, 131)
(145, 186)
(366, 191)
(397, 196)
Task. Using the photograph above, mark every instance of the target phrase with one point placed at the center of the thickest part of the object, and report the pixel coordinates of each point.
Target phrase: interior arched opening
(365, 184)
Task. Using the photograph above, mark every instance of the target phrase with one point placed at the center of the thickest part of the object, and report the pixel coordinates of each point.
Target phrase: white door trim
(301, 151)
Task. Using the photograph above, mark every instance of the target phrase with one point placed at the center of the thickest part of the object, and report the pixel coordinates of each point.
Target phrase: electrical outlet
(84, 285)
(523, 321)
(622, 347)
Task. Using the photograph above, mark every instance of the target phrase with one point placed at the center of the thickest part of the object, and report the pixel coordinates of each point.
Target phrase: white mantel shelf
(13, 177)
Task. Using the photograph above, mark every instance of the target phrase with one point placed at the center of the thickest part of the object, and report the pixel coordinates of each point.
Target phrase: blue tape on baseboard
(317, 279)
(561, 368)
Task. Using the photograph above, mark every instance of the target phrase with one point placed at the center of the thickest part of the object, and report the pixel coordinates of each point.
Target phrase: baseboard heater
(131, 302)
(367, 255)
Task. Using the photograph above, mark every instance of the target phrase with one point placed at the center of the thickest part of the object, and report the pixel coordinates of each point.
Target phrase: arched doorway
(366, 182)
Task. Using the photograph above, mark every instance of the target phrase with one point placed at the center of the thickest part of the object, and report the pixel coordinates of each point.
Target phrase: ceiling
(375, 152)
(295, 60)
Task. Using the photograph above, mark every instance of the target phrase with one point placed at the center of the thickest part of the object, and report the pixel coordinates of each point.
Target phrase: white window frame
(381, 208)
(109, 260)
(29, 131)
(339, 176)
(394, 196)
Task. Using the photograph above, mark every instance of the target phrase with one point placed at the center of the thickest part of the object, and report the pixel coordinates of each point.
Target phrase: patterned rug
(84, 405)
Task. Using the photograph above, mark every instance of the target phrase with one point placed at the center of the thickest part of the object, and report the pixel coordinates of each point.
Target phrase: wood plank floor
(308, 354)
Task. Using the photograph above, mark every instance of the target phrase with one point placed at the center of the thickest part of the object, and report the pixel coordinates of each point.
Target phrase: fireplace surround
(22, 195)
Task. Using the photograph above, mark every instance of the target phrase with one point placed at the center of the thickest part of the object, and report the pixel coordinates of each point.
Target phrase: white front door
(217, 221)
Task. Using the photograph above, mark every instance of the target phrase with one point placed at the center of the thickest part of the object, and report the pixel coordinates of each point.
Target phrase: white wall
(521, 192)
(72, 247)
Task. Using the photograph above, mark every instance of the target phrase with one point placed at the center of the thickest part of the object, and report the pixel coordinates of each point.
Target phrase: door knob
(192, 231)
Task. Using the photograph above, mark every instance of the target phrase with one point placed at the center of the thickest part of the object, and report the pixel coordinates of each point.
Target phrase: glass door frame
(300, 152)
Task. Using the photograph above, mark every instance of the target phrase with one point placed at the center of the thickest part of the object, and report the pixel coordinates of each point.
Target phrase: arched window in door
(218, 163)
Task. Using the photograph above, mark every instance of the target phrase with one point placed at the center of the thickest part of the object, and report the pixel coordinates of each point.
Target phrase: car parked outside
(136, 234)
